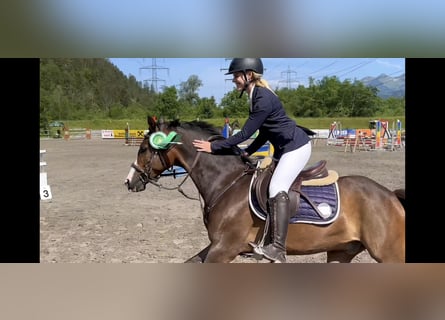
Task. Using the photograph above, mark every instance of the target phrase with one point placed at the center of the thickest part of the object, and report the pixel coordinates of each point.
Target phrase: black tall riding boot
(279, 218)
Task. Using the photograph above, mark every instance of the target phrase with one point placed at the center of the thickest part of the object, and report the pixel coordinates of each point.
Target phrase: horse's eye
(142, 149)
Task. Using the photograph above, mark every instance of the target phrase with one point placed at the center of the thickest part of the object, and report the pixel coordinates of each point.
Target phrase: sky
(279, 72)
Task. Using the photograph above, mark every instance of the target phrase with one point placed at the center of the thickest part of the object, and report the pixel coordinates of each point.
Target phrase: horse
(371, 217)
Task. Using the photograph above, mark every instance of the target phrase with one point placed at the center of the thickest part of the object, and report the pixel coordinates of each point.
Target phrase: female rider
(292, 147)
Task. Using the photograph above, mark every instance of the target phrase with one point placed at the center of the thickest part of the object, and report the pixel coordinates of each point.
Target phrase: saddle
(314, 175)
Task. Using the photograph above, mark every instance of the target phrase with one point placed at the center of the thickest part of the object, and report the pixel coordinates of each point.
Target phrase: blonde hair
(260, 82)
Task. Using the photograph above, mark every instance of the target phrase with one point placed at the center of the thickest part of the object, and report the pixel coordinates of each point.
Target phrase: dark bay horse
(371, 217)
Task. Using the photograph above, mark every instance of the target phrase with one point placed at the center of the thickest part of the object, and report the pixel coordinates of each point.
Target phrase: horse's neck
(212, 174)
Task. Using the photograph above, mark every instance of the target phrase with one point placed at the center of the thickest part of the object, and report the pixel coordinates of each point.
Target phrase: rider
(292, 147)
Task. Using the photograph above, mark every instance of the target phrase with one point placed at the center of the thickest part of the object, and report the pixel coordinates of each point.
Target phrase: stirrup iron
(257, 247)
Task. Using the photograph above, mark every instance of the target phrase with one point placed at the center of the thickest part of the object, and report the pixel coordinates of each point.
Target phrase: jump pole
(127, 134)
(378, 128)
(45, 189)
(399, 132)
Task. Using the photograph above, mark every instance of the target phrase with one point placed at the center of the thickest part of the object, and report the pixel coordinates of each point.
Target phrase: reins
(213, 203)
(208, 208)
(145, 178)
(179, 187)
(188, 174)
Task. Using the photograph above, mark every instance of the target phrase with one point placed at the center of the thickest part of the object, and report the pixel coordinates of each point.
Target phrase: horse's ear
(151, 121)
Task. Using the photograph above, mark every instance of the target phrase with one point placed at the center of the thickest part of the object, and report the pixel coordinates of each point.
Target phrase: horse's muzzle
(137, 186)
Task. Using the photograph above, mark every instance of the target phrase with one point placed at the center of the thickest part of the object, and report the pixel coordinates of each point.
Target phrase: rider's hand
(202, 145)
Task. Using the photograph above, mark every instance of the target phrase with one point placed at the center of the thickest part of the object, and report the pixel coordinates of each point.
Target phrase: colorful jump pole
(378, 128)
(399, 132)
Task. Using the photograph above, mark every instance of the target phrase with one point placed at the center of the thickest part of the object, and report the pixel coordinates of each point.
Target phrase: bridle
(144, 174)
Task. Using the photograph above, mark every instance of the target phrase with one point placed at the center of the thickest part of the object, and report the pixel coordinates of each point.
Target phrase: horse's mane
(195, 125)
(203, 128)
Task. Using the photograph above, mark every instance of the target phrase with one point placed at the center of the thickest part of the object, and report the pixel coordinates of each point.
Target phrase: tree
(167, 105)
(188, 90)
(73, 89)
(206, 108)
(330, 97)
(234, 106)
(289, 99)
(392, 107)
(87, 88)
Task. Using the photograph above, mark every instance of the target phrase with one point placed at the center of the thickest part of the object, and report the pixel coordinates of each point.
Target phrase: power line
(226, 69)
(154, 74)
(289, 78)
(323, 68)
(355, 67)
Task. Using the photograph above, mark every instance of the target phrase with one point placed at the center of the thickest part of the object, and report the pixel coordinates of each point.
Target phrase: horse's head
(159, 151)
(154, 156)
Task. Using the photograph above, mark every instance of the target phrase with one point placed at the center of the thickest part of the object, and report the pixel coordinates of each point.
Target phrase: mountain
(387, 86)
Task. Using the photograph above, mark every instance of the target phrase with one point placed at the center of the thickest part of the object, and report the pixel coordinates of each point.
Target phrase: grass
(312, 123)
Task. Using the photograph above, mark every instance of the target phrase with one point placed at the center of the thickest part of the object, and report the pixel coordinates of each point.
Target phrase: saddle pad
(326, 198)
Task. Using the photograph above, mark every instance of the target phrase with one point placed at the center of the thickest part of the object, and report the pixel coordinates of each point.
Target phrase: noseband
(143, 177)
(144, 174)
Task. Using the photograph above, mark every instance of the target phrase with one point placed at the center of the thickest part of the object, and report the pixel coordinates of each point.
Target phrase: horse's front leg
(200, 256)
(215, 255)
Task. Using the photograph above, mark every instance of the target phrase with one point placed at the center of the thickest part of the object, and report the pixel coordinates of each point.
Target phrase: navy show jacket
(269, 117)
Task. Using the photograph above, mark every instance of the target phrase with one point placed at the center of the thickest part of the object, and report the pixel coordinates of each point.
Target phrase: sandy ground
(92, 218)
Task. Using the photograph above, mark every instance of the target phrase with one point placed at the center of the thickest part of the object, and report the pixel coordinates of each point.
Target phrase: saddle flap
(260, 186)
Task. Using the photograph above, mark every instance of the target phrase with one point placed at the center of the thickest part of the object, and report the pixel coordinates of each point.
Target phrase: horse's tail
(400, 193)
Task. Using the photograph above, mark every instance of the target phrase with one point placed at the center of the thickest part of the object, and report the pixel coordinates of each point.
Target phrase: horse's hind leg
(345, 256)
(200, 256)
(390, 248)
(392, 252)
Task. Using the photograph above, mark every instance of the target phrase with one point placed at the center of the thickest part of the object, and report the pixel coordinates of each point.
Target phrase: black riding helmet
(244, 64)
